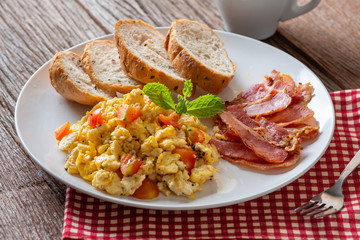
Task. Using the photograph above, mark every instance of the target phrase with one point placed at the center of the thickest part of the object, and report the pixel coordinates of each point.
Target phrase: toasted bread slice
(101, 61)
(142, 54)
(72, 82)
(198, 54)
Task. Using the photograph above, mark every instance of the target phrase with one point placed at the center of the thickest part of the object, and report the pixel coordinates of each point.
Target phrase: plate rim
(153, 205)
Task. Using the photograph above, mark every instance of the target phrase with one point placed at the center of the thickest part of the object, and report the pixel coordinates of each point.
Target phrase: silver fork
(331, 200)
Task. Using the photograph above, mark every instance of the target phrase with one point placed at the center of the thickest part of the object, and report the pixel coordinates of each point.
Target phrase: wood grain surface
(327, 40)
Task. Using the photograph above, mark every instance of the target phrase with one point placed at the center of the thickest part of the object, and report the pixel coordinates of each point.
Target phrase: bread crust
(65, 86)
(88, 68)
(135, 67)
(206, 78)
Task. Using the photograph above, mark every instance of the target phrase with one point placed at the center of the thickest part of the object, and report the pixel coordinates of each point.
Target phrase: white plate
(40, 110)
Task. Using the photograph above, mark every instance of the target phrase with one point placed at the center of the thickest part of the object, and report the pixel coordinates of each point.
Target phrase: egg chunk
(123, 141)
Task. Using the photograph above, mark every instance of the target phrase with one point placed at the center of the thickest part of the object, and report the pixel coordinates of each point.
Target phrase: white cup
(259, 18)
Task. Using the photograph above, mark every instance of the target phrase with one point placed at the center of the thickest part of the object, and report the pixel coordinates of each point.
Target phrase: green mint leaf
(202, 107)
(205, 106)
(188, 87)
(181, 106)
(159, 94)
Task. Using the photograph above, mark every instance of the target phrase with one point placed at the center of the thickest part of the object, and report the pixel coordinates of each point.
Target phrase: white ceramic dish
(40, 110)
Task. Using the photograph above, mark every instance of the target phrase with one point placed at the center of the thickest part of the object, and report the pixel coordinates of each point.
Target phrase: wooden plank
(30, 212)
(280, 42)
(158, 13)
(31, 202)
(329, 38)
(31, 35)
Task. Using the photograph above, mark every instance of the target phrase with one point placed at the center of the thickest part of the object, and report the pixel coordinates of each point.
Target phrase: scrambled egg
(95, 153)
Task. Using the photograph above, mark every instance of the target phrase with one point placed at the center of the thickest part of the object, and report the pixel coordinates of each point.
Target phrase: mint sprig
(159, 94)
(181, 106)
(203, 107)
(187, 90)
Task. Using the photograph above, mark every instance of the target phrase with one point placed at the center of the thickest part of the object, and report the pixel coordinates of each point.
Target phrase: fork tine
(305, 206)
(323, 208)
(326, 213)
(314, 207)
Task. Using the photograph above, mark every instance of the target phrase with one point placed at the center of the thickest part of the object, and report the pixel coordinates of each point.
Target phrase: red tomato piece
(95, 118)
(195, 135)
(188, 156)
(130, 165)
(128, 113)
(62, 131)
(147, 190)
(172, 119)
(122, 111)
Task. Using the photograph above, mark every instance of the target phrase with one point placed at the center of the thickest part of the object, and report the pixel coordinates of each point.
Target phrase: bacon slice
(263, 165)
(306, 130)
(282, 82)
(269, 131)
(264, 125)
(226, 132)
(262, 92)
(278, 135)
(293, 114)
(306, 91)
(303, 94)
(252, 140)
(241, 115)
(268, 97)
(233, 150)
(254, 93)
(276, 104)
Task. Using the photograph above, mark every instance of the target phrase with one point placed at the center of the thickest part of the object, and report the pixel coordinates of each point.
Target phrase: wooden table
(327, 40)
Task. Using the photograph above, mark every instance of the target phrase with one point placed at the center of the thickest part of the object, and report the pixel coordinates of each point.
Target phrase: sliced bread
(198, 54)
(72, 82)
(142, 54)
(101, 61)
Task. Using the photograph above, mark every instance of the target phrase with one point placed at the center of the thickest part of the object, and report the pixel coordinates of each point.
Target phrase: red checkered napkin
(268, 217)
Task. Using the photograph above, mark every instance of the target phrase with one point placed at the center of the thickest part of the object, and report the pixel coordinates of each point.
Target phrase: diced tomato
(128, 113)
(95, 118)
(62, 131)
(130, 165)
(195, 135)
(187, 156)
(147, 190)
(172, 119)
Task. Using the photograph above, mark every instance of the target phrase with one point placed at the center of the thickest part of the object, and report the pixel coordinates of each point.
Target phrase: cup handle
(295, 10)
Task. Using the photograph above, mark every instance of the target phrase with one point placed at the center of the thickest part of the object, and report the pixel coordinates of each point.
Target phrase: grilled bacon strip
(263, 165)
(252, 140)
(263, 126)
(294, 114)
(269, 131)
(261, 92)
(233, 150)
(241, 115)
(277, 103)
(279, 136)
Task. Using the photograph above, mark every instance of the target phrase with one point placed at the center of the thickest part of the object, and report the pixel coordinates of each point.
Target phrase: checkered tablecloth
(268, 217)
